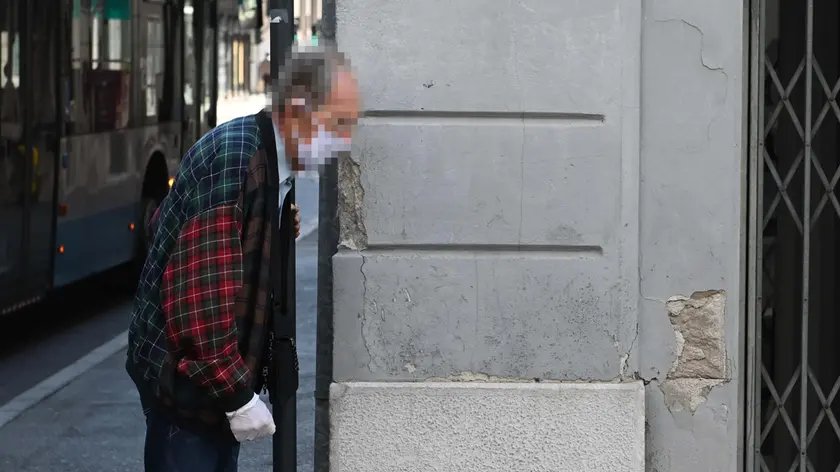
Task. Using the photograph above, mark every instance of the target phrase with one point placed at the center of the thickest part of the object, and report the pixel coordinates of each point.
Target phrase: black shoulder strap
(276, 275)
(281, 273)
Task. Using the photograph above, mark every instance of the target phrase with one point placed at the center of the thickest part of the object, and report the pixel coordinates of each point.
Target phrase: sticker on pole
(279, 16)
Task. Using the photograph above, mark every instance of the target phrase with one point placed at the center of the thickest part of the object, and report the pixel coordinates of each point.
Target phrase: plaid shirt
(199, 326)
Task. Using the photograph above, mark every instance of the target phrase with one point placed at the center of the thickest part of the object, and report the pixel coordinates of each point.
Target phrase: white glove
(252, 421)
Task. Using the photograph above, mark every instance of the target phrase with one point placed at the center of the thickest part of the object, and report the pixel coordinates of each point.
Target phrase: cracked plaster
(351, 197)
(700, 363)
(676, 125)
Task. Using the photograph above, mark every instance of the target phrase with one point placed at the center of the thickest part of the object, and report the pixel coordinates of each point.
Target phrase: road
(94, 422)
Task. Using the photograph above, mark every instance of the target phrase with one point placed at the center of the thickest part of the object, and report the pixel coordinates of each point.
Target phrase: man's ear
(297, 107)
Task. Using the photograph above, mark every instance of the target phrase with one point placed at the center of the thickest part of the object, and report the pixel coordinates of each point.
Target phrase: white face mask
(323, 147)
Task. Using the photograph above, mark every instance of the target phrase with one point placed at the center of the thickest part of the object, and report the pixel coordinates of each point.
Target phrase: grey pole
(327, 247)
(285, 382)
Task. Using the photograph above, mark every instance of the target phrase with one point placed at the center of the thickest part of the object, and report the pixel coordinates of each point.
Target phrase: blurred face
(315, 137)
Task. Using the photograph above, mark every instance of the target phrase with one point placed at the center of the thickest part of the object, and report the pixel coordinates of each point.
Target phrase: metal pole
(328, 234)
(327, 244)
(806, 244)
(754, 420)
(284, 409)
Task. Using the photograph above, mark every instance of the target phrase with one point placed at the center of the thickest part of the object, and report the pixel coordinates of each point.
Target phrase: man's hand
(296, 209)
(252, 421)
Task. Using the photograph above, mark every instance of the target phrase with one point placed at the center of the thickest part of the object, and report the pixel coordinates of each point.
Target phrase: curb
(52, 384)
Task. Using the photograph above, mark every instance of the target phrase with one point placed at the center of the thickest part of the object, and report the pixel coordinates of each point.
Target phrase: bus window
(10, 61)
(28, 143)
(100, 61)
(111, 60)
(170, 109)
(12, 179)
(155, 50)
(38, 84)
(78, 105)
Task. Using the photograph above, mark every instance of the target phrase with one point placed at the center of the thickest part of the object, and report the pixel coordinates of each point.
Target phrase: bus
(99, 99)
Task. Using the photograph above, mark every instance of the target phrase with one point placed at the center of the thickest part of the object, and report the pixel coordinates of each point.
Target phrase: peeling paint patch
(698, 323)
(700, 363)
(351, 195)
(687, 394)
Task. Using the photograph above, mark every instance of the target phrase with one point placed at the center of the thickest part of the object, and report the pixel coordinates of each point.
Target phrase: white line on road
(47, 387)
(26, 400)
(307, 227)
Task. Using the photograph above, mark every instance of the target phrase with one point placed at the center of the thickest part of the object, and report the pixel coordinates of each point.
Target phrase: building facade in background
(307, 16)
(589, 236)
(237, 36)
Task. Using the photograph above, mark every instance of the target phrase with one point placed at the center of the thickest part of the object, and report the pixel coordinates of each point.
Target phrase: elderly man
(200, 330)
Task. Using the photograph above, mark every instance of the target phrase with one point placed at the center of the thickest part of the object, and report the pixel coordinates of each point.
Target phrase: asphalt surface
(95, 423)
(44, 338)
(41, 340)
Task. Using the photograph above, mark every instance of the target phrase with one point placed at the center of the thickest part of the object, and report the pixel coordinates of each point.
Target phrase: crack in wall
(363, 314)
(351, 195)
(353, 234)
(705, 64)
(625, 359)
(478, 376)
(477, 316)
(702, 41)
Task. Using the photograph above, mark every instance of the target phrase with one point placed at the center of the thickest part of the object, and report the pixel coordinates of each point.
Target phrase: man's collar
(283, 169)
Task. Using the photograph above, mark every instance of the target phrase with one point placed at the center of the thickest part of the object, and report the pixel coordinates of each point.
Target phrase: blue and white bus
(98, 101)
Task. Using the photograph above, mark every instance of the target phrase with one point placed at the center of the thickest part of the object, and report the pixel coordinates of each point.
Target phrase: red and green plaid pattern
(199, 289)
(197, 331)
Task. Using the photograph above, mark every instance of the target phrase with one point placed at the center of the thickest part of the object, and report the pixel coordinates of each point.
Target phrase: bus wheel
(148, 207)
(153, 192)
(125, 278)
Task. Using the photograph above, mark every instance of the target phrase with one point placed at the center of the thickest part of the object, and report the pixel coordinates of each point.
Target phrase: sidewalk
(228, 109)
(95, 423)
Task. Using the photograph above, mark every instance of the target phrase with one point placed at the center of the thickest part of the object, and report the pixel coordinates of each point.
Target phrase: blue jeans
(172, 449)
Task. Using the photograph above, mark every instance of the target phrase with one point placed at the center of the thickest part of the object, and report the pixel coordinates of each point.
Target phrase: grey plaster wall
(692, 174)
(550, 189)
(485, 220)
